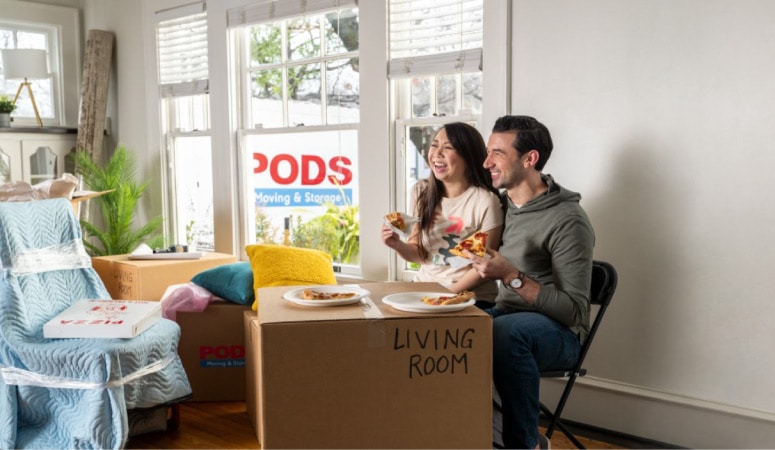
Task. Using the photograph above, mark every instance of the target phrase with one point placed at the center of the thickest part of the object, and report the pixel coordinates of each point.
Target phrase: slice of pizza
(461, 297)
(476, 244)
(397, 220)
(309, 294)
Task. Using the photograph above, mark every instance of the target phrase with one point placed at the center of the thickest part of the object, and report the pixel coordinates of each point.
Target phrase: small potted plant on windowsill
(6, 108)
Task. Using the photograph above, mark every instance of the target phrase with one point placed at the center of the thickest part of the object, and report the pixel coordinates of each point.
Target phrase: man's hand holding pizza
(496, 266)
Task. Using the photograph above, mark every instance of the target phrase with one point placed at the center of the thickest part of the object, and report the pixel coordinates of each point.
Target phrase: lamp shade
(19, 63)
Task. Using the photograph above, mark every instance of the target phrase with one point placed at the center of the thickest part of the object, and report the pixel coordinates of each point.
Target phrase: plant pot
(5, 120)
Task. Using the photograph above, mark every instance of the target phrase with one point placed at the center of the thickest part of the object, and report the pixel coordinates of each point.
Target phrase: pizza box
(96, 318)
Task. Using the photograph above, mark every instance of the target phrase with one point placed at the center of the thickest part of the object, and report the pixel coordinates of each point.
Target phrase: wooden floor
(215, 425)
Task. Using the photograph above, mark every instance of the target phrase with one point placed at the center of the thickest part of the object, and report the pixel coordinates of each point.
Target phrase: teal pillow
(231, 282)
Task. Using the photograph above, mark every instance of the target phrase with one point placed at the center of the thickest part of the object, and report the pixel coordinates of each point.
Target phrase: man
(541, 314)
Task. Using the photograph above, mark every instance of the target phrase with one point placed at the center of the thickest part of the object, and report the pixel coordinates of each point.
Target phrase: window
(299, 91)
(185, 113)
(26, 25)
(436, 78)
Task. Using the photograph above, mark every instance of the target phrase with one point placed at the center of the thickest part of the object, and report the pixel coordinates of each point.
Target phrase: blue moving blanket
(69, 393)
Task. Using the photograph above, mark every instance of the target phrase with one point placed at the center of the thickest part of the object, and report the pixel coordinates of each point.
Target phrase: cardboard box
(251, 372)
(212, 349)
(128, 279)
(95, 318)
(369, 376)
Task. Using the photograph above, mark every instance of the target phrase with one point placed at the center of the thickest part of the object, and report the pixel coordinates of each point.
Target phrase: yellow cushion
(280, 265)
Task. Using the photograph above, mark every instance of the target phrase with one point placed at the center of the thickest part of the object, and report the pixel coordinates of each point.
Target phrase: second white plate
(412, 302)
(295, 296)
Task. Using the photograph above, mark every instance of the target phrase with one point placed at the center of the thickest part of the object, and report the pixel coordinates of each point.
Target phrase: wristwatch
(517, 282)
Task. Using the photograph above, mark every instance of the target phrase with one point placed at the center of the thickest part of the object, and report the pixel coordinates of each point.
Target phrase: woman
(456, 200)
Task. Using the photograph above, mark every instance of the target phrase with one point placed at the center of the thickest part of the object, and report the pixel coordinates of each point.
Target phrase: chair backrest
(604, 280)
(43, 266)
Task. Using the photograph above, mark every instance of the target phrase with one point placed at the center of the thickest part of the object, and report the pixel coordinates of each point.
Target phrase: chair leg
(173, 422)
(570, 436)
(554, 418)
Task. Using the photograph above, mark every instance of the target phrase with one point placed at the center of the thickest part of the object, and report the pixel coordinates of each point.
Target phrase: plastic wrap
(21, 377)
(70, 255)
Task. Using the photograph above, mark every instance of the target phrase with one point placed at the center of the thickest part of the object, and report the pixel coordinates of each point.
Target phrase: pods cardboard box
(212, 349)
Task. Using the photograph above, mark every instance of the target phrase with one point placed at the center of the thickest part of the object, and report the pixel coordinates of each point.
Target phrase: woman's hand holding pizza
(390, 237)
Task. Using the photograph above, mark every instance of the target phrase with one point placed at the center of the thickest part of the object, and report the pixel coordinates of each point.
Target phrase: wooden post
(94, 93)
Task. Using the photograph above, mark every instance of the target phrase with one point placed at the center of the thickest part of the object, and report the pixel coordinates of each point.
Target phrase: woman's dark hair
(531, 135)
(469, 145)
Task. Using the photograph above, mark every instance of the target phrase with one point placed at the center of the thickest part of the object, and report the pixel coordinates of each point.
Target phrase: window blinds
(271, 10)
(182, 50)
(434, 36)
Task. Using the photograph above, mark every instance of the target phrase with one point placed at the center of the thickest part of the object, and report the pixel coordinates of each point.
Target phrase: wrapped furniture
(69, 393)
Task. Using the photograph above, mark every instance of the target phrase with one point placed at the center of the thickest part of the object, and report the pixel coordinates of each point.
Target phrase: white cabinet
(10, 160)
(35, 157)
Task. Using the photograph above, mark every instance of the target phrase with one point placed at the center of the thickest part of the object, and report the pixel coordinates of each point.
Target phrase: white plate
(178, 255)
(295, 296)
(412, 302)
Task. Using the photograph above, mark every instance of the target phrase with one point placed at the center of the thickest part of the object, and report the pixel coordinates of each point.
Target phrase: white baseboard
(663, 417)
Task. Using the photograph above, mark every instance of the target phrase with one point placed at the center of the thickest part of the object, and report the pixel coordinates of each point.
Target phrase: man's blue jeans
(524, 344)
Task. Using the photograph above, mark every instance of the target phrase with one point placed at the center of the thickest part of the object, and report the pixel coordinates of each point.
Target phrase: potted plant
(6, 108)
(116, 235)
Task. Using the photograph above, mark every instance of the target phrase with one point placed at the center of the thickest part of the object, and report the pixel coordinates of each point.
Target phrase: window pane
(446, 95)
(416, 164)
(342, 32)
(472, 92)
(31, 40)
(422, 93)
(194, 191)
(309, 181)
(267, 98)
(41, 88)
(304, 103)
(343, 86)
(192, 113)
(265, 45)
(304, 38)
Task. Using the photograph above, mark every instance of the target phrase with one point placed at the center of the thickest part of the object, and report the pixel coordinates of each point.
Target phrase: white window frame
(62, 25)
(401, 69)
(170, 132)
(376, 128)
(239, 19)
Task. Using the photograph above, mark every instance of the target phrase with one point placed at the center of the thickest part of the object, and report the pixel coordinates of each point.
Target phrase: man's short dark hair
(531, 135)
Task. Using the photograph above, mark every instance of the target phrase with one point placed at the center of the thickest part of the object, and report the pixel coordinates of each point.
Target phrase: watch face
(516, 283)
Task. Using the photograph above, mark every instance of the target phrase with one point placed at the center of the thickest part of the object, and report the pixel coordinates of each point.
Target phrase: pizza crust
(311, 294)
(461, 297)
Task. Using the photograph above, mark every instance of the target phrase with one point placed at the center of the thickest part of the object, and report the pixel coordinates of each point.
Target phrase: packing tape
(370, 310)
(376, 327)
(21, 377)
(66, 256)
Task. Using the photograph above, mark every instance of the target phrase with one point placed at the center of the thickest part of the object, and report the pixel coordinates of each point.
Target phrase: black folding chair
(604, 279)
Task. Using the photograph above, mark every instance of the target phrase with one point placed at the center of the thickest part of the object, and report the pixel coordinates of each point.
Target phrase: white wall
(128, 120)
(662, 115)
